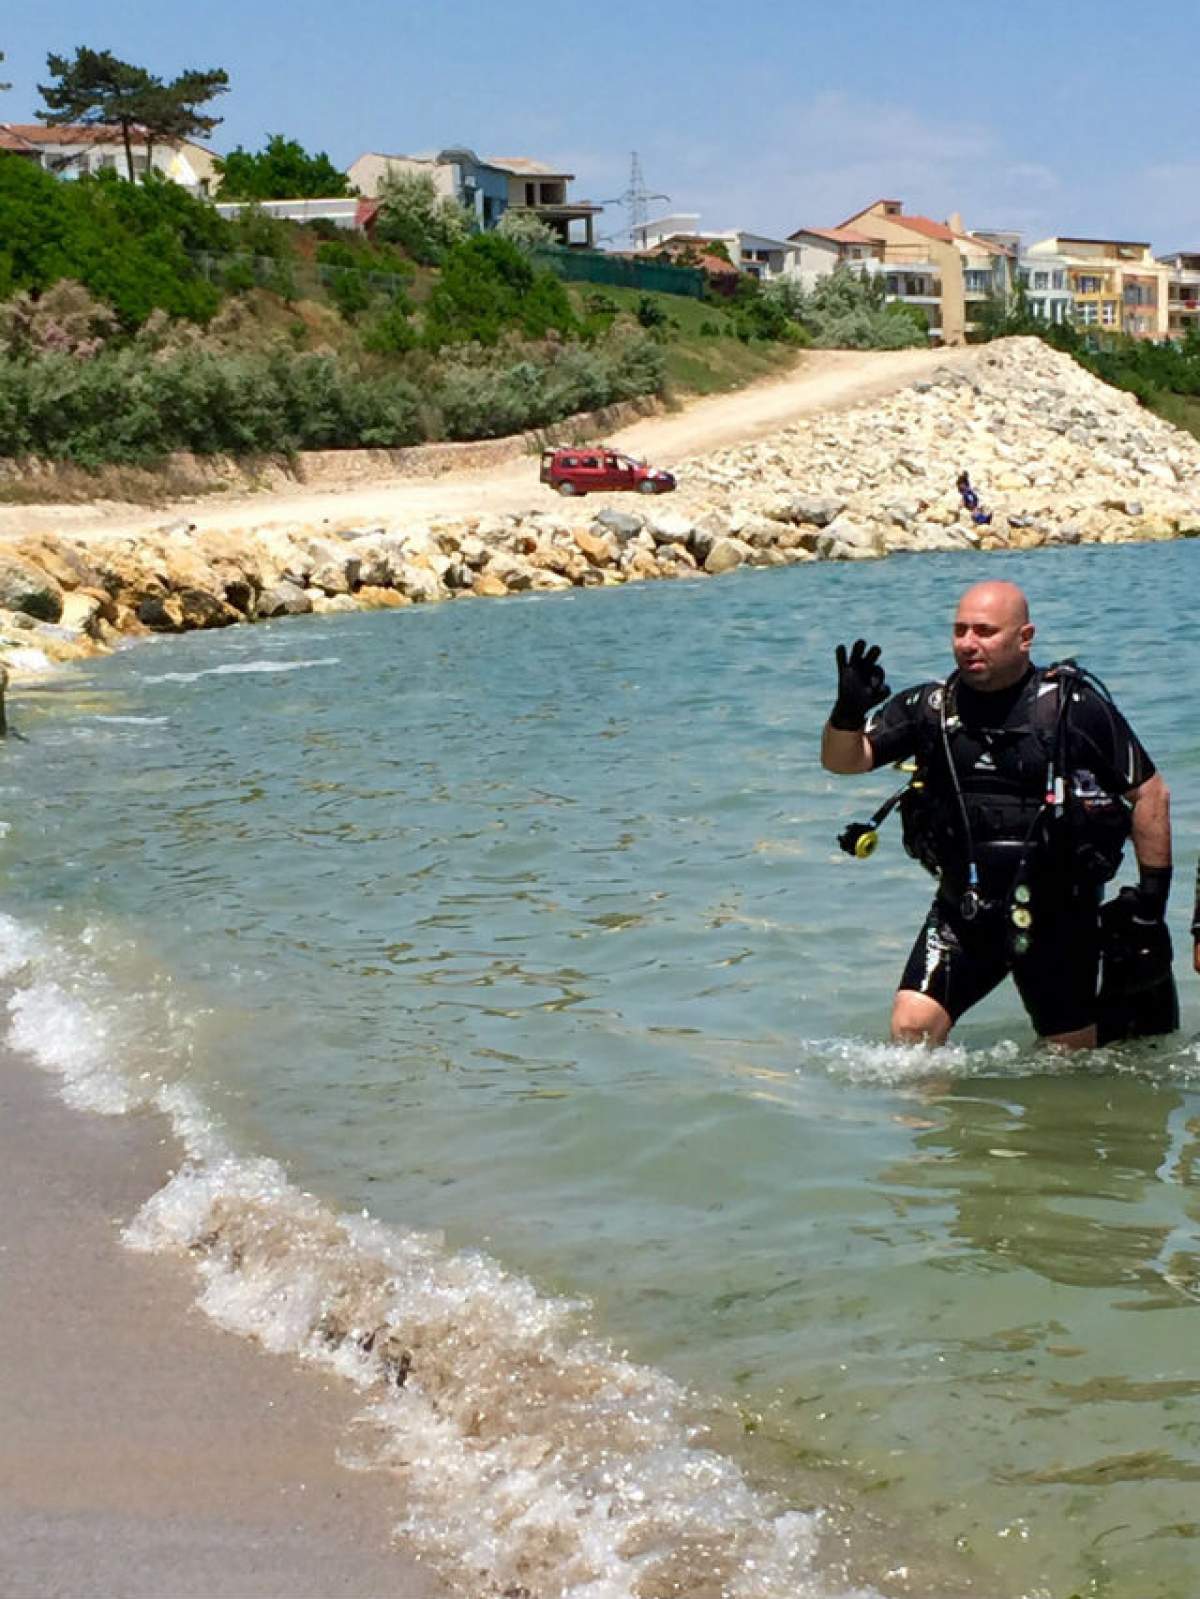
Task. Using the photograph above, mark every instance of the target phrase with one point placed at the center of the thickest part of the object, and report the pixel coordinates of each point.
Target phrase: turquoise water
(526, 923)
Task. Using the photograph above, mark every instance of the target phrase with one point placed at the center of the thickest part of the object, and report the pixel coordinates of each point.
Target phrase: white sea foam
(240, 668)
(134, 721)
(529, 1454)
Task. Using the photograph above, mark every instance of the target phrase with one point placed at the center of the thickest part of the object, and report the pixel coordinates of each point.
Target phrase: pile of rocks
(1057, 456)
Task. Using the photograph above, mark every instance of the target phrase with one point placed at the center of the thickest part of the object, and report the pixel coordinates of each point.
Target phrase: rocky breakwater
(1058, 457)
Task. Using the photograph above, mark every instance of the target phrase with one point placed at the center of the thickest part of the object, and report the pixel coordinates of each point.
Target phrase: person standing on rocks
(1029, 782)
(1196, 923)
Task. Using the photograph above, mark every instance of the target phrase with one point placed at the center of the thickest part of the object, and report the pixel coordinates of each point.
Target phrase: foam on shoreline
(528, 1455)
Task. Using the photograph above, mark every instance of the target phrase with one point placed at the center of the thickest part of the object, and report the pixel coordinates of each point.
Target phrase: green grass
(1182, 410)
(696, 362)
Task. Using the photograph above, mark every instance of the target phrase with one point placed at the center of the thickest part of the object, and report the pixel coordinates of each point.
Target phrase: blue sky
(1049, 117)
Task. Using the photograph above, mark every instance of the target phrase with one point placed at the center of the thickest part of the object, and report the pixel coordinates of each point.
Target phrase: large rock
(600, 548)
(201, 609)
(725, 554)
(813, 509)
(24, 587)
(621, 524)
(284, 599)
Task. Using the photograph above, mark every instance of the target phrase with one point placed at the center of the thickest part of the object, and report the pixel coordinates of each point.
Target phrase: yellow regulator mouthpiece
(866, 845)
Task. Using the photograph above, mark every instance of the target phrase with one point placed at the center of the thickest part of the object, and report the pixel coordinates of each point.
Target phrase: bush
(391, 333)
(413, 215)
(845, 312)
(649, 313)
(130, 408)
(488, 286)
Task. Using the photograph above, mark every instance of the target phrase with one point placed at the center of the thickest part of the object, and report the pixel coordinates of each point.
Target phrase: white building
(70, 151)
(756, 254)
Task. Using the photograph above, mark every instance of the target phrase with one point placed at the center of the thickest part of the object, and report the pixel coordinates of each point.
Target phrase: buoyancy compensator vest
(989, 804)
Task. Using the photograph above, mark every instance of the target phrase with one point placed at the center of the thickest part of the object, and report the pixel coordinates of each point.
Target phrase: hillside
(1059, 457)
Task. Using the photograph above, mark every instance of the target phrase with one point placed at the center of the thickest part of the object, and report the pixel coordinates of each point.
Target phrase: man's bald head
(992, 635)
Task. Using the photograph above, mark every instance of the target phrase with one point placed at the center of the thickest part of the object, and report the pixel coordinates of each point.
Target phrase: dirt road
(824, 380)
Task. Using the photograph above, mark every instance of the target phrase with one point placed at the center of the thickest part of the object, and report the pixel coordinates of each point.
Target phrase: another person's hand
(1151, 894)
(861, 686)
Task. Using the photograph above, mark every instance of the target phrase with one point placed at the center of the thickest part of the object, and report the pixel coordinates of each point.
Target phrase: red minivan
(592, 468)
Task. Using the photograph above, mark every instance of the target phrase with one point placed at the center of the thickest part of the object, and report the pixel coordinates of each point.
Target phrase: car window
(589, 460)
(568, 460)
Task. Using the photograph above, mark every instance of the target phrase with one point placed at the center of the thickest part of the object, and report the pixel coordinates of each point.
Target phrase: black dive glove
(1153, 890)
(861, 685)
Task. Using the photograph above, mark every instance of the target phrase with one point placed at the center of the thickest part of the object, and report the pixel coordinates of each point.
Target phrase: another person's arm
(1127, 769)
(1151, 838)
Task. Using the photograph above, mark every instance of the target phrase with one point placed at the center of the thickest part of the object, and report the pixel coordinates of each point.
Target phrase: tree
(413, 215)
(527, 231)
(99, 90)
(284, 170)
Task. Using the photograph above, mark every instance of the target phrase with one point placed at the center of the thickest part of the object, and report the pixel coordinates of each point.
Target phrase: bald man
(1032, 783)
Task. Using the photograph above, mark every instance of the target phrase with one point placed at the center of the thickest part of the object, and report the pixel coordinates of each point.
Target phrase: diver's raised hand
(861, 685)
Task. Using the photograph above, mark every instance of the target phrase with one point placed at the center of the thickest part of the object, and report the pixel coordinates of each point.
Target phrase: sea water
(524, 1025)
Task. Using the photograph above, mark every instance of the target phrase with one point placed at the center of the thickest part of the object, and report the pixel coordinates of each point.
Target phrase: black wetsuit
(1000, 746)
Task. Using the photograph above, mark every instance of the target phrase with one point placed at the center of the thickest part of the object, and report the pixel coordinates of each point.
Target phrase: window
(1108, 313)
(893, 285)
(1041, 280)
(1087, 314)
(1059, 280)
(1023, 278)
(1086, 285)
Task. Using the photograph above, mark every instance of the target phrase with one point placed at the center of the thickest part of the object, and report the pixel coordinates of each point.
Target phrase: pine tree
(97, 89)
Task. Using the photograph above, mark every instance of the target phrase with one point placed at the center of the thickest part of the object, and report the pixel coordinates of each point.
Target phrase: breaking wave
(530, 1457)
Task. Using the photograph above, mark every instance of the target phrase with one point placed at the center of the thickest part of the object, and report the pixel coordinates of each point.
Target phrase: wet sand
(144, 1453)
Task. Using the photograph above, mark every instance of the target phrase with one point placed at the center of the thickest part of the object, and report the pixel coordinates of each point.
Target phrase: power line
(635, 200)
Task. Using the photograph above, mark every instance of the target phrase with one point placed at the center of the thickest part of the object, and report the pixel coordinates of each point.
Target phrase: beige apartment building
(1116, 285)
(938, 266)
(1183, 292)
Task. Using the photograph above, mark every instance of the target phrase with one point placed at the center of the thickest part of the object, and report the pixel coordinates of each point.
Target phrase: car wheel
(567, 488)
(646, 486)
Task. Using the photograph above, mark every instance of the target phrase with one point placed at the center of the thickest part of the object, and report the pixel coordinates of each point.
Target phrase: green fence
(593, 266)
(270, 272)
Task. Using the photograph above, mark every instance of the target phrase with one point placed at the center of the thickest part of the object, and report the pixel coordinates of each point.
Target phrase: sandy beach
(144, 1453)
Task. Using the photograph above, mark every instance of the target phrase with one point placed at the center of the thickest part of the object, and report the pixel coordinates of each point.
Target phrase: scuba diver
(1028, 784)
(970, 499)
(1196, 923)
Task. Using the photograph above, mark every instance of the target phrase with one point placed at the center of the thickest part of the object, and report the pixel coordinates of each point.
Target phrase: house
(71, 151)
(1183, 292)
(821, 250)
(488, 187)
(1116, 284)
(937, 266)
(1046, 285)
(754, 255)
(543, 191)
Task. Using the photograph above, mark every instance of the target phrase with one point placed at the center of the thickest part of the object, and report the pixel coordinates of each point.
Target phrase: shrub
(487, 286)
(845, 312)
(413, 215)
(649, 313)
(127, 407)
(391, 333)
(527, 231)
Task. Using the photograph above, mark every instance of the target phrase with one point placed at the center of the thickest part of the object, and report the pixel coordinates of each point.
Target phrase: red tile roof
(927, 226)
(74, 133)
(10, 139)
(840, 235)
